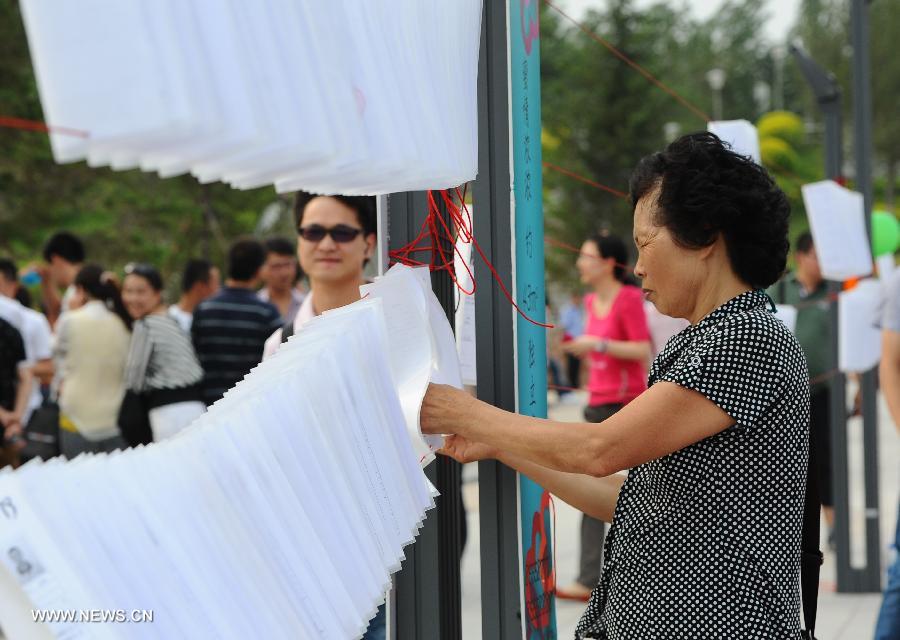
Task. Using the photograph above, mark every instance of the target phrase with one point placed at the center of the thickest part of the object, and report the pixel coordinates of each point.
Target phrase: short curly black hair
(706, 189)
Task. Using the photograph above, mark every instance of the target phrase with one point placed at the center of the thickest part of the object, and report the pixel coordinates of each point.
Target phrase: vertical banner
(531, 343)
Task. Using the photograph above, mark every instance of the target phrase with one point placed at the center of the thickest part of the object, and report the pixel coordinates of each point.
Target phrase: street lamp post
(762, 93)
(716, 80)
(778, 55)
(671, 130)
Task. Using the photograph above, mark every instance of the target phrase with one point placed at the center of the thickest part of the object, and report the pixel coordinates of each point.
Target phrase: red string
(587, 181)
(35, 125)
(631, 63)
(437, 232)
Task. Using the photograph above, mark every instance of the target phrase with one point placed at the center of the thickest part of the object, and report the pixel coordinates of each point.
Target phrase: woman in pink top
(616, 345)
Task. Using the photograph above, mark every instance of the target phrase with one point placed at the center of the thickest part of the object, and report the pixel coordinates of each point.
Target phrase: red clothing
(613, 380)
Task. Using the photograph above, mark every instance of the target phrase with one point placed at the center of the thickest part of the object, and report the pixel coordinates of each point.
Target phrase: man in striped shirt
(230, 328)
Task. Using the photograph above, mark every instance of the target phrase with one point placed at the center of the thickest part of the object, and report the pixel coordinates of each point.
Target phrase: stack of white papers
(741, 135)
(838, 225)
(422, 345)
(280, 513)
(337, 97)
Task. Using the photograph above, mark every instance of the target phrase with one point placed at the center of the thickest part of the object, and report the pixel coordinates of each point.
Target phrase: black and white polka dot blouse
(705, 542)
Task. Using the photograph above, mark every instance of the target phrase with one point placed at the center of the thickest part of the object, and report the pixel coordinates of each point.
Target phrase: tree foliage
(823, 29)
(122, 216)
(604, 116)
(600, 116)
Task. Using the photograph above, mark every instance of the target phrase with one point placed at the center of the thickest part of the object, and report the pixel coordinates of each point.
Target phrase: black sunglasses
(340, 233)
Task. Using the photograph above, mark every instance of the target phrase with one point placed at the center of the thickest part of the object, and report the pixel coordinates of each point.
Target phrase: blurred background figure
(15, 382)
(662, 327)
(91, 350)
(35, 330)
(616, 344)
(571, 319)
(888, 625)
(230, 328)
(199, 281)
(279, 275)
(805, 289)
(63, 254)
(556, 357)
(162, 366)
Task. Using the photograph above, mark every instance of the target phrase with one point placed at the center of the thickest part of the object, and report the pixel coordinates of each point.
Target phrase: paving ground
(841, 616)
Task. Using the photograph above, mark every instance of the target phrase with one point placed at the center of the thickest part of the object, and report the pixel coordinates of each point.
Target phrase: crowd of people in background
(107, 353)
(98, 342)
(100, 361)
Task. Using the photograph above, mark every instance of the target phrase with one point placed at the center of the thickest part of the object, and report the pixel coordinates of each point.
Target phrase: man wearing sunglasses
(336, 238)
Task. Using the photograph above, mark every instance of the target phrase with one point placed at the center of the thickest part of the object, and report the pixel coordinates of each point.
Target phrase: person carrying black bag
(162, 375)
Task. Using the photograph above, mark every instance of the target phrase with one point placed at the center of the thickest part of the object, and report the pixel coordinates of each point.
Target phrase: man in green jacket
(805, 289)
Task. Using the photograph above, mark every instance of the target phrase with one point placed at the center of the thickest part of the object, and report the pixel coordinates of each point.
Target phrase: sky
(782, 13)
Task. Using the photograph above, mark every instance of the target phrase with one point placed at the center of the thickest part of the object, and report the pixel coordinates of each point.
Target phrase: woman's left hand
(446, 410)
(581, 346)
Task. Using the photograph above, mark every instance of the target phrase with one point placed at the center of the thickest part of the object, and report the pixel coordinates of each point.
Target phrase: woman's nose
(639, 269)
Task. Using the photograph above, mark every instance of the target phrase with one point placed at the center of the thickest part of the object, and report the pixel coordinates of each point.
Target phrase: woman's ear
(719, 245)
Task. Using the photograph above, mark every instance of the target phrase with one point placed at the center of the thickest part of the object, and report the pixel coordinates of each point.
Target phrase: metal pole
(427, 595)
(870, 577)
(494, 333)
(449, 477)
(849, 578)
(828, 95)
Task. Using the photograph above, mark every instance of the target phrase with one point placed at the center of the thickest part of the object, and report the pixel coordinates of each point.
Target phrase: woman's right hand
(463, 450)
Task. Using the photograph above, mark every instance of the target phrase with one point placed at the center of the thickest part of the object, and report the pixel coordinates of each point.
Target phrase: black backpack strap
(287, 331)
(810, 555)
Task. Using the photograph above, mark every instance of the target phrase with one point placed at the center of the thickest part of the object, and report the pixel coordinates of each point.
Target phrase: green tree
(122, 216)
(823, 27)
(602, 116)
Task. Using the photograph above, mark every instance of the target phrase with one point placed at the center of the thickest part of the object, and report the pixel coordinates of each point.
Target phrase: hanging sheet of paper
(422, 347)
(740, 134)
(859, 336)
(886, 266)
(339, 97)
(837, 222)
(788, 315)
(281, 512)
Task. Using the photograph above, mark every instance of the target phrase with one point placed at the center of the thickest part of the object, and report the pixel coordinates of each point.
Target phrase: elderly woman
(705, 536)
